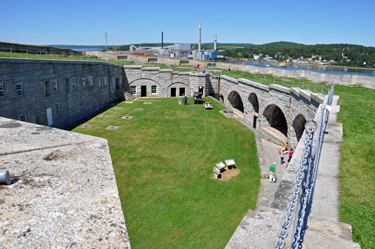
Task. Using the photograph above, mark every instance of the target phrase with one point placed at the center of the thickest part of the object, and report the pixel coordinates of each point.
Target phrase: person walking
(291, 154)
(282, 154)
(286, 146)
(198, 66)
(179, 100)
(273, 173)
(287, 163)
(185, 100)
(280, 147)
(229, 68)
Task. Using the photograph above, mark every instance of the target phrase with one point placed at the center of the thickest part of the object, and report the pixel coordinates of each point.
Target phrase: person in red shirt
(198, 66)
(287, 146)
(291, 154)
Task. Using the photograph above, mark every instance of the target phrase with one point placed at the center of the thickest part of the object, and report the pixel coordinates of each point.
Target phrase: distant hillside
(280, 44)
(342, 54)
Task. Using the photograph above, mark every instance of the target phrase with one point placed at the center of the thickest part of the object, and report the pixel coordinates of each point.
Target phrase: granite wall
(267, 108)
(74, 90)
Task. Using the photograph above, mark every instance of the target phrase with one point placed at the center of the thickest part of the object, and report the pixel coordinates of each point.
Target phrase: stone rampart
(347, 80)
(56, 93)
(278, 112)
(35, 49)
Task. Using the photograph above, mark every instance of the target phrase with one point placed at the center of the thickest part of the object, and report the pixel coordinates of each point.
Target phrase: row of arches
(275, 117)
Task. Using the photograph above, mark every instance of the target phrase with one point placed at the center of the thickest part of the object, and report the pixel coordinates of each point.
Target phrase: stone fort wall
(65, 92)
(347, 80)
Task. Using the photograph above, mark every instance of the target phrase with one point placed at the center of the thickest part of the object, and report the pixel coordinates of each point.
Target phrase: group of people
(282, 153)
(184, 98)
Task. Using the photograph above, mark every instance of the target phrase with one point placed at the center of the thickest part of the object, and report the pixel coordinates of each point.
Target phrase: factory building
(178, 50)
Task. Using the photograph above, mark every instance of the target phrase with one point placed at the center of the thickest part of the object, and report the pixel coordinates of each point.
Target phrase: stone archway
(298, 126)
(253, 100)
(276, 121)
(235, 102)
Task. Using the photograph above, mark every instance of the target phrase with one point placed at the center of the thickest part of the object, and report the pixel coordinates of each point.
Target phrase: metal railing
(301, 199)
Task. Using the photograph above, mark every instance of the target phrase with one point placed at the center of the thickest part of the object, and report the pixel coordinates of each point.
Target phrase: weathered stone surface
(66, 194)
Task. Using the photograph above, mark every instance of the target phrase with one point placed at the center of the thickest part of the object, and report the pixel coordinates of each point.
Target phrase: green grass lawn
(357, 167)
(163, 159)
(59, 57)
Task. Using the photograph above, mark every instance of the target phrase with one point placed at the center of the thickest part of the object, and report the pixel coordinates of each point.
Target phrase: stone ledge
(280, 88)
(152, 69)
(66, 194)
(254, 84)
(132, 66)
(229, 79)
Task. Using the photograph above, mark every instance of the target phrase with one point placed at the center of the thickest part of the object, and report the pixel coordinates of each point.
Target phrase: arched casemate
(236, 104)
(275, 124)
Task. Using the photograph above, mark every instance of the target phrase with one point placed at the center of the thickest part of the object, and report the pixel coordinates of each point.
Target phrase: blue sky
(78, 22)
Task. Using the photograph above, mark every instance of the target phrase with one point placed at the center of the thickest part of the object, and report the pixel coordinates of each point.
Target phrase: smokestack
(199, 44)
(162, 43)
(215, 43)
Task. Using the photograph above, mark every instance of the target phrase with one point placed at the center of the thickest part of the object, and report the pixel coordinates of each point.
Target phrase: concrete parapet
(280, 88)
(64, 191)
(253, 84)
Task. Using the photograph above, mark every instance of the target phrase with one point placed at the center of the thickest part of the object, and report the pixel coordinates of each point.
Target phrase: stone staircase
(122, 94)
(259, 228)
(129, 96)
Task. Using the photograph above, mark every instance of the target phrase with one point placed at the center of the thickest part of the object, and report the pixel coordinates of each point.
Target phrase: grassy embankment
(163, 159)
(357, 167)
(57, 57)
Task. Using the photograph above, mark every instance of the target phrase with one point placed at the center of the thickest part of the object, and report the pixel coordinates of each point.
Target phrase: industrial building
(178, 50)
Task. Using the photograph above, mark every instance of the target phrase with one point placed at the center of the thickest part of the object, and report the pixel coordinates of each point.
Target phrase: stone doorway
(173, 92)
(143, 91)
(182, 91)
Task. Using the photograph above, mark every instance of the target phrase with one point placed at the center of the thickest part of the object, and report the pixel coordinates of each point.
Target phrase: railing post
(11, 53)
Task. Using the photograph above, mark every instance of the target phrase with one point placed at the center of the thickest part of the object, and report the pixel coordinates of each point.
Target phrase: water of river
(87, 49)
(313, 68)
